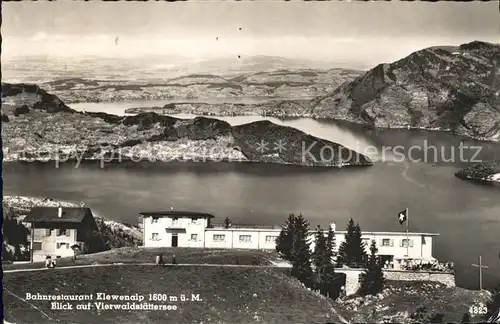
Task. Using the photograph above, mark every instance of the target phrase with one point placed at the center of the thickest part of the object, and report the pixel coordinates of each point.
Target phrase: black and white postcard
(250, 162)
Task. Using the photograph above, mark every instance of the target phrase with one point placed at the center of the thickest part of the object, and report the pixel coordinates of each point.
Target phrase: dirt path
(148, 264)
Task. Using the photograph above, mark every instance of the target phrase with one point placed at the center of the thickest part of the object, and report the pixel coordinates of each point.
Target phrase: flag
(403, 216)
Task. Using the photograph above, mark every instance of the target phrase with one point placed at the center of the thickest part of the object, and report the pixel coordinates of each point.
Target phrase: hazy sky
(328, 31)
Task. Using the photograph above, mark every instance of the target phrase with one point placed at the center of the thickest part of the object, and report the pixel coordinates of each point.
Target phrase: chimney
(333, 226)
(171, 208)
(59, 211)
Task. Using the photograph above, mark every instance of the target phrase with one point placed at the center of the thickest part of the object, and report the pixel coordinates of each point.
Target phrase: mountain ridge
(431, 88)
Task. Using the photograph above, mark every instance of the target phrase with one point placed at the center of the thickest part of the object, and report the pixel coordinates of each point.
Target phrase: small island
(485, 172)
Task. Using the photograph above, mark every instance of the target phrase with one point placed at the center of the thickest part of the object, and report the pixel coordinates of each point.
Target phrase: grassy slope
(228, 292)
(229, 295)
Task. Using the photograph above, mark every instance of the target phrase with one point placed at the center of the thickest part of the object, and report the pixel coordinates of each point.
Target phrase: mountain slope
(21, 98)
(45, 133)
(446, 88)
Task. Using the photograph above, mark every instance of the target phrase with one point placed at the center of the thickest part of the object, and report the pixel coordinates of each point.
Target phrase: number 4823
(478, 310)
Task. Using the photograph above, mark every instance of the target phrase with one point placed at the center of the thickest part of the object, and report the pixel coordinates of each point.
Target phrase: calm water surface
(465, 214)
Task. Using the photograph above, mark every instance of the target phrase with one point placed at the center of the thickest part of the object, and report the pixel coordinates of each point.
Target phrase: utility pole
(480, 266)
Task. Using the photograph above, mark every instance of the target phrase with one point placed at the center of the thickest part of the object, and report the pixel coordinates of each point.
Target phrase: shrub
(21, 110)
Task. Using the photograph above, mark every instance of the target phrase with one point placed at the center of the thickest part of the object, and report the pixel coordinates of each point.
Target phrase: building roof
(177, 213)
(365, 233)
(50, 215)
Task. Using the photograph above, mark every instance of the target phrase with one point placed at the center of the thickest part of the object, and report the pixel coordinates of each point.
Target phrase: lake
(465, 214)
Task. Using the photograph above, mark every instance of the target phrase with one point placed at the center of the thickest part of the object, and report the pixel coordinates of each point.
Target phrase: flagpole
(407, 235)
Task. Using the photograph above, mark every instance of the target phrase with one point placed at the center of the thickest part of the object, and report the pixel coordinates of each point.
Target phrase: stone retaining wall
(353, 277)
(446, 278)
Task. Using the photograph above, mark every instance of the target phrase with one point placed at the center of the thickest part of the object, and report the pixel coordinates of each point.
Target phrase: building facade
(195, 230)
(59, 232)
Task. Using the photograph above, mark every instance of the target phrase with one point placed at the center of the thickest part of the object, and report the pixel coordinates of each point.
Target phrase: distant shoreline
(128, 162)
(139, 110)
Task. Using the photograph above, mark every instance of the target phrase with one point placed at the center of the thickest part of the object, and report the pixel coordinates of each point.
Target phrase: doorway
(175, 240)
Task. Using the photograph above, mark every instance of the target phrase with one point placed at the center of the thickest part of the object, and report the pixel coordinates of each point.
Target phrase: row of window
(175, 221)
(402, 243)
(37, 246)
(57, 232)
(270, 238)
(242, 238)
(222, 238)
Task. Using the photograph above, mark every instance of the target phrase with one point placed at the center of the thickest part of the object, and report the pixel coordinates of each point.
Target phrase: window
(52, 231)
(194, 221)
(62, 245)
(63, 231)
(37, 246)
(175, 221)
(219, 237)
(155, 237)
(270, 238)
(194, 237)
(386, 242)
(404, 243)
(423, 240)
(246, 238)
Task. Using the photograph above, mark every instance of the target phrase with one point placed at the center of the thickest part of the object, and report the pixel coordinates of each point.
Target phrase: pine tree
(331, 287)
(372, 280)
(320, 258)
(14, 233)
(359, 248)
(301, 253)
(325, 278)
(320, 248)
(352, 250)
(284, 242)
(331, 244)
